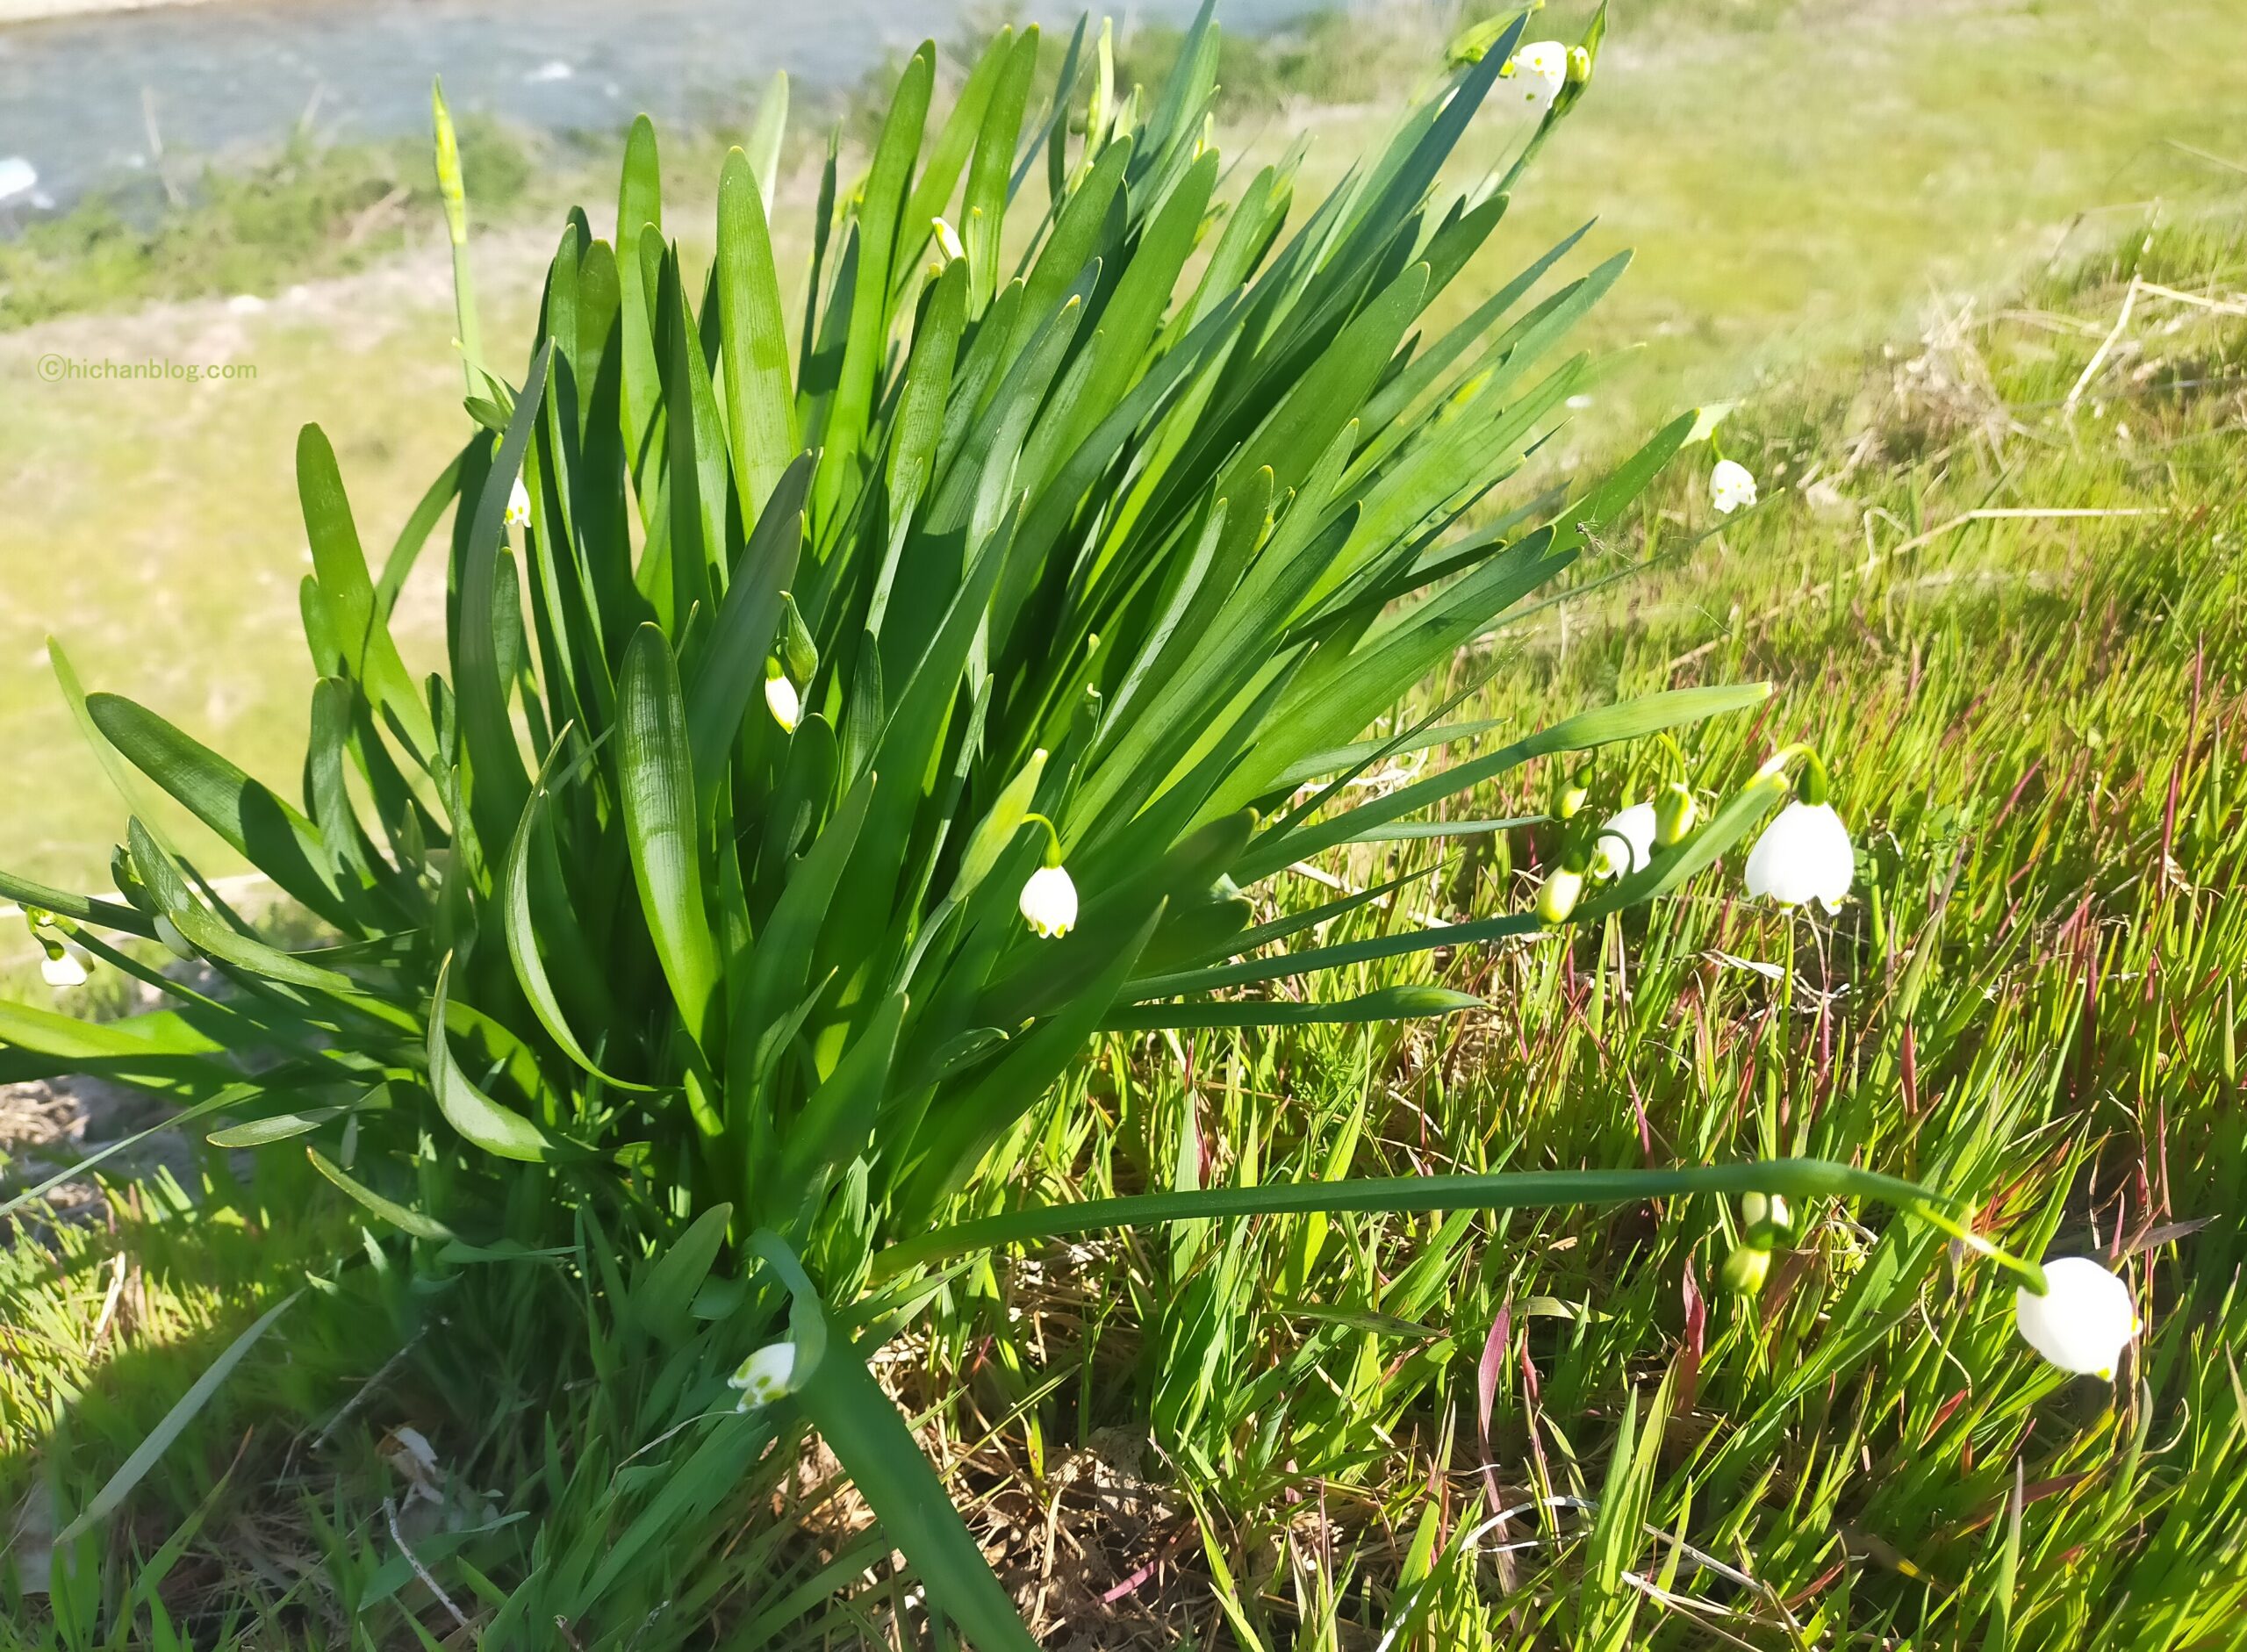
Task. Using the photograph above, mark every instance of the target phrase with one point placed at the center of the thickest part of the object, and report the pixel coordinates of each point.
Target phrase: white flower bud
(780, 698)
(1557, 895)
(2083, 1322)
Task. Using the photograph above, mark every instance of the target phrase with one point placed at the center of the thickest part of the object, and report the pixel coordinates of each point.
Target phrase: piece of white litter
(18, 176)
(1769, 971)
(553, 69)
(245, 303)
(408, 1451)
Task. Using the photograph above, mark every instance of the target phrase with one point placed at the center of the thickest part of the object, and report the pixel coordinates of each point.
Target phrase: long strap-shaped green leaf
(870, 1440)
(1511, 1190)
(657, 776)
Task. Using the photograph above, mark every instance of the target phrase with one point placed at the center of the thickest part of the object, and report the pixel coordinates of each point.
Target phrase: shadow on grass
(260, 1519)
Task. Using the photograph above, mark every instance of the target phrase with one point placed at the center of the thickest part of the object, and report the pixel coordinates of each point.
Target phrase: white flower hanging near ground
(1805, 854)
(1538, 72)
(782, 701)
(2083, 1322)
(61, 969)
(1732, 486)
(1626, 843)
(519, 505)
(1049, 901)
(765, 1375)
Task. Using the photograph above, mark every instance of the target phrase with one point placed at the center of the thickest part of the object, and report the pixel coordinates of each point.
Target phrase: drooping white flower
(1049, 901)
(2083, 1322)
(781, 699)
(1731, 486)
(765, 1375)
(1804, 855)
(1626, 843)
(519, 505)
(1537, 72)
(62, 969)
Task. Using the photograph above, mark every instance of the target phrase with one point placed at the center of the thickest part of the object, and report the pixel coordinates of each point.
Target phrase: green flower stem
(1521, 1189)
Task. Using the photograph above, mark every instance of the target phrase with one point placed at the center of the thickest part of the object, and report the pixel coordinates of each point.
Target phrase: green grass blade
(184, 1412)
(1510, 1190)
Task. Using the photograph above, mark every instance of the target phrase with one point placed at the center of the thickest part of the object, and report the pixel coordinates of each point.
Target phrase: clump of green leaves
(683, 905)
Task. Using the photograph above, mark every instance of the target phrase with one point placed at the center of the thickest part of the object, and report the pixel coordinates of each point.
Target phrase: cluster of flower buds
(1804, 854)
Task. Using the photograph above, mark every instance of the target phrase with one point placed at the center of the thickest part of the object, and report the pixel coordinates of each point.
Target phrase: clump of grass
(1333, 55)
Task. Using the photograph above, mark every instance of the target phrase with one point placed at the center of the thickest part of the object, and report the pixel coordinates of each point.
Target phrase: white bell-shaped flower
(1537, 72)
(2083, 1322)
(765, 1375)
(1732, 486)
(1625, 842)
(1049, 901)
(62, 969)
(1804, 855)
(519, 505)
(782, 701)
